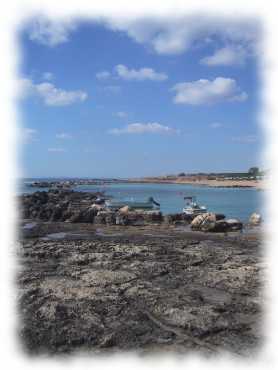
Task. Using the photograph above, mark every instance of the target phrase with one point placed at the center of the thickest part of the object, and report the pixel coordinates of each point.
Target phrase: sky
(115, 97)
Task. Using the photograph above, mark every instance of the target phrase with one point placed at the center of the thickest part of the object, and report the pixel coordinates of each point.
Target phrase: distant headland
(254, 178)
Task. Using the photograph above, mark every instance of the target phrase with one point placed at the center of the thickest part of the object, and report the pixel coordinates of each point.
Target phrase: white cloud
(48, 76)
(59, 97)
(165, 35)
(142, 128)
(227, 56)
(245, 139)
(174, 35)
(240, 97)
(25, 87)
(208, 91)
(103, 75)
(114, 89)
(56, 150)
(28, 135)
(64, 135)
(50, 32)
(215, 125)
(121, 114)
(50, 94)
(139, 74)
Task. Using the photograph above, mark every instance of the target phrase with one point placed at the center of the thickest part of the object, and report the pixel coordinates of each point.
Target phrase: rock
(124, 209)
(255, 219)
(178, 219)
(171, 218)
(221, 226)
(104, 278)
(135, 219)
(76, 217)
(121, 219)
(105, 217)
(110, 218)
(88, 215)
(152, 216)
(56, 214)
(97, 207)
(209, 222)
(174, 217)
(234, 224)
(204, 222)
(109, 340)
(219, 216)
(138, 218)
(136, 292)
(58, 205)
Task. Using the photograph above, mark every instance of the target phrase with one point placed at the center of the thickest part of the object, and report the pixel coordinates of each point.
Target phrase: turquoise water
(233, 202)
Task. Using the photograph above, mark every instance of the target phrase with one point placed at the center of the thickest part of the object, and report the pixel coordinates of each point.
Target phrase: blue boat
(117, 204)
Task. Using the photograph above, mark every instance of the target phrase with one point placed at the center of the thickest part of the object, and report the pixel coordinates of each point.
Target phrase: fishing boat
(192, 208)
(117, 204)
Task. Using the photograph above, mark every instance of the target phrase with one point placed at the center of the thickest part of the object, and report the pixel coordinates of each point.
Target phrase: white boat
(192, 208)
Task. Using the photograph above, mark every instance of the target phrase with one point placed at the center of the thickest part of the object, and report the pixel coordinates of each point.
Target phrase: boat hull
(194, 212)
(131, 205)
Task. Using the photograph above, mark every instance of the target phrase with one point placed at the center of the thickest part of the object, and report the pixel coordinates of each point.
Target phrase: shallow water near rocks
(233, 202)
(60, 235)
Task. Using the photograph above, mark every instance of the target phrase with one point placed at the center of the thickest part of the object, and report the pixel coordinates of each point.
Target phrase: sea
(233, 202)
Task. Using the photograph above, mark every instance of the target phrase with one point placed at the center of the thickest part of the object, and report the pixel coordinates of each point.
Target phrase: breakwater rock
(209, 222)
(80, 207)
(59, 205)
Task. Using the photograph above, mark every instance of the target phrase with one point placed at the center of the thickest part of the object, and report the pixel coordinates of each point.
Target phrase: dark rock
(234, 224)
(178, 218)
(88, 215)
(219, 216)
(57, 213)
(121, 219)
(221, 226)
(58, 205)
(105, 217)
(76, 217)
(141, 293)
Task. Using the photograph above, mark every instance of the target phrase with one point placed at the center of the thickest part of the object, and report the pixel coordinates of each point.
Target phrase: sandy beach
(258, 184)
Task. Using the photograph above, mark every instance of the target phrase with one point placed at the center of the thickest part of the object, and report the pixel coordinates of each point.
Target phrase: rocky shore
(147, 289)
(58, 205)
(153, 286)
(71, 183)
(81, 207)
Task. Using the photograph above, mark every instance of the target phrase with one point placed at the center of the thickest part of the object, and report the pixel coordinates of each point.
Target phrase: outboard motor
(99, 201)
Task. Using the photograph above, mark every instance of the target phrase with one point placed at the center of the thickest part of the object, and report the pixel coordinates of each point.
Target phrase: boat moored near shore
(192, 208)
(148, 205)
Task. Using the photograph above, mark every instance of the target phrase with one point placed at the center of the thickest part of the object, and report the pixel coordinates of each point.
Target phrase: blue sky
(127, 98)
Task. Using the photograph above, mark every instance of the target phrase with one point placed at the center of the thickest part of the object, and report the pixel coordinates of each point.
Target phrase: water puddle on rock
(99, 232)
(183, 228)
(67, 236)
(29, 225)
(60, 235)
